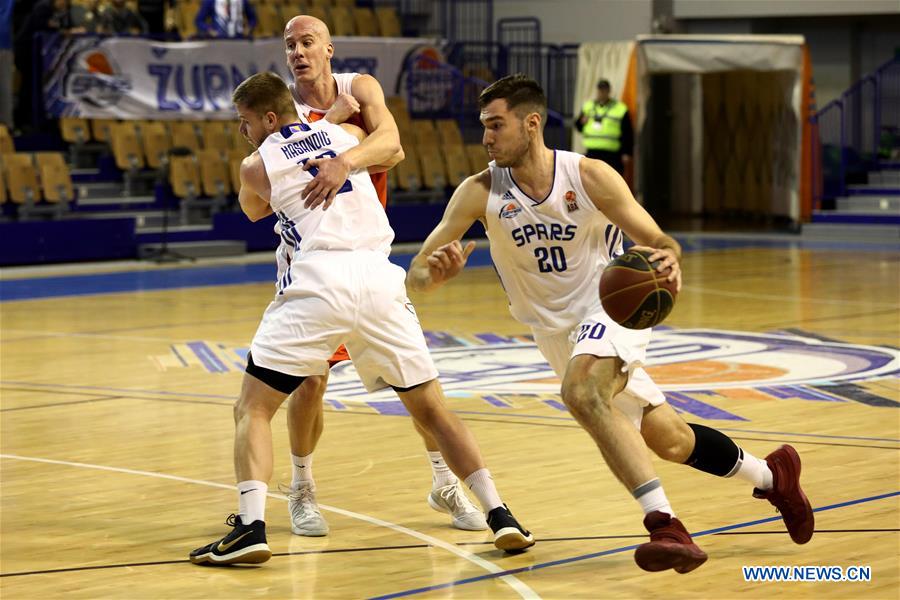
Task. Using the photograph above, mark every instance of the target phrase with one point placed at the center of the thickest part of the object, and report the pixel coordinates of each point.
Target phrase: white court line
(518, 586)
(782, 298)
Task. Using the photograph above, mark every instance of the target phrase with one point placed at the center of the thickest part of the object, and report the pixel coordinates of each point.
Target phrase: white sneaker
(305, 516)
(451, 499)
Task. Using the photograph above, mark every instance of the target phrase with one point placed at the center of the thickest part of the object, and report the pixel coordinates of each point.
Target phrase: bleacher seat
(101, 129)
(292, 8)
(21, 178)
(342, 18)
(6, 142)
(126, 148)
(344, 3)
(408, 171)
(457, 164)
(321, 13)
(397, 106)
(268, 21)
(184, 176)
(434, 174)
(157, 143)
(448, 132)
(75, 130)
(184, 135)
(478, 158)
(214, 173)
(366, 23)
(388, 21)
(4, 197)
(217, 136)
(56, 179)
(184, 19)
(424, 132)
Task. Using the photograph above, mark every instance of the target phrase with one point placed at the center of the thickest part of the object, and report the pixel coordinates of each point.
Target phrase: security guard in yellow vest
(606, 127)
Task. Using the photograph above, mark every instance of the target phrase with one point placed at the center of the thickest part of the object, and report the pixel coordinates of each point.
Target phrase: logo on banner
(95, 78)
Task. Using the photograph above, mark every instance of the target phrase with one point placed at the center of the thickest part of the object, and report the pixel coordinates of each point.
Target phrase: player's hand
(343, 108)
(668, 261)
(333, 172)
(448, 260)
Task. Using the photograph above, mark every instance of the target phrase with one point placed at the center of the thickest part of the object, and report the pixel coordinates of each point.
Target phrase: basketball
(633, 293)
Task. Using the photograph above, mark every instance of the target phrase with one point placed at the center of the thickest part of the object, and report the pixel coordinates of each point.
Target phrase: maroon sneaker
(786, 494)
(670, 546)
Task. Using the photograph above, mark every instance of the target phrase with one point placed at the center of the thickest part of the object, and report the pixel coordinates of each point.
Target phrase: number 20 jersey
(550, 252)
(354, 221)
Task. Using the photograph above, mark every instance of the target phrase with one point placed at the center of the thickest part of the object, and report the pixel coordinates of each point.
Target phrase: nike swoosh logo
(224, 547)
(245, 491)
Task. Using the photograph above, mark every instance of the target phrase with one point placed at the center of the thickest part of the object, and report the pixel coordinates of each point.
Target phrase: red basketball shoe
(786, 494)
(670, 546)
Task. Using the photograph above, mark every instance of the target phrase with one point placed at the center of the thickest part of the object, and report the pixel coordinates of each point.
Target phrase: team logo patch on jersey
(571, 201)
(510, 209)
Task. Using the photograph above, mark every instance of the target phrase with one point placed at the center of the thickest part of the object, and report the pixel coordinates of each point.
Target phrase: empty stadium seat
(75, 130)
(184, 135)
(101, 129)
(4, 197)
(388, 21)
(321, 13)
(434, 175)
(214, 174)
(6, 141)
(342, 18)
(478, 158)
(408, 171)
(56, 179)
(235, 158)
(157, 143)
(292, 8)
(397, 106)
(184, 176)
(448, 132)
(457, 164)
(21, 178)
(216, 135)
(268, 21)
(366, 23)
(424, 132)
(184, 19)
(126, 147)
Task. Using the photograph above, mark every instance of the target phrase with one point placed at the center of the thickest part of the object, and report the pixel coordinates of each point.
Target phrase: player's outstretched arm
(255, 188)
(610, 194)
(442, 256)
(381, 147)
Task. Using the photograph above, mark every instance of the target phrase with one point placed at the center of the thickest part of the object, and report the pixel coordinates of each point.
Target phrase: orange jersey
(379, 180)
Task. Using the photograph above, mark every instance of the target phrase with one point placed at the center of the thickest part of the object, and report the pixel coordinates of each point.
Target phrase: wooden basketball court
(117, 439)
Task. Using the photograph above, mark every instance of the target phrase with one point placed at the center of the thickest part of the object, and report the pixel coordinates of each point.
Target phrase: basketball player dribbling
(554, 219)
(358, 100)
(339, 288)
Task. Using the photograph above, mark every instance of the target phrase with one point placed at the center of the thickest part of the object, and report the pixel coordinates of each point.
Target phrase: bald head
(305, 24)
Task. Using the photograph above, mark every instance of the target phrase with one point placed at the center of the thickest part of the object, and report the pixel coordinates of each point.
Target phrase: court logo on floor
(699, 370)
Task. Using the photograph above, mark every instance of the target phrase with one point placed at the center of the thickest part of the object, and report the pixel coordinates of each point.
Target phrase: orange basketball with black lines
(633, 293)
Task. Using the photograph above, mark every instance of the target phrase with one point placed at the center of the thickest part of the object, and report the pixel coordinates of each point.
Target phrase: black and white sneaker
(245, 544)
(508, 534)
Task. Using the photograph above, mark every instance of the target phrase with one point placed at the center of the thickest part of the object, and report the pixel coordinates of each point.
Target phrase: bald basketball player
(356, 99)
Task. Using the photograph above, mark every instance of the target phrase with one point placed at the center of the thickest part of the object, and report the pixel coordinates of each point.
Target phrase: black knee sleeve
(714, 452)
(282, 382)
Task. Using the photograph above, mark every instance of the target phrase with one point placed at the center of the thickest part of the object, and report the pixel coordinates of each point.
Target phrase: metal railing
(857, 132)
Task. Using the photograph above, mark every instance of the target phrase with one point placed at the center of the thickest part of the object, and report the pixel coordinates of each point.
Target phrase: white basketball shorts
(352, 298)
(600, 336)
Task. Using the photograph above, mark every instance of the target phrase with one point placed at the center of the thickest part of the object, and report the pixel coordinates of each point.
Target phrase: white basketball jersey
(344, 82)
(354, 221)
(549, 252)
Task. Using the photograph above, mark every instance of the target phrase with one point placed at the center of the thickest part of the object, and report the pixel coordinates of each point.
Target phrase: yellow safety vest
(603, 129)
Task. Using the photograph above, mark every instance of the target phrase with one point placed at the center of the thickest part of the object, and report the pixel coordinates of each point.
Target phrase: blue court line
(191, 277)
(165, 279)
(619, 550)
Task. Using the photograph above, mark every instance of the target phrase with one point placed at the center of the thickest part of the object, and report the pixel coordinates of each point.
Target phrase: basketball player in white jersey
(359, 100)
(340, 288)
(554, 220)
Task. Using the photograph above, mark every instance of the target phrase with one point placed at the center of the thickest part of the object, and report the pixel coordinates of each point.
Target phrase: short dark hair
(519, 91)
(603, 84)
(263, 93)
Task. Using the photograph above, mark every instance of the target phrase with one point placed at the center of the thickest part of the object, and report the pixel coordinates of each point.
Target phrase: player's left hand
(668, 260)
(333, 172)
